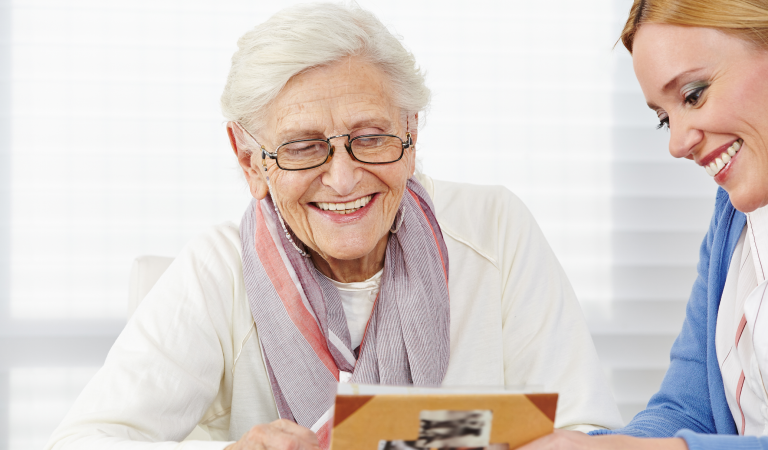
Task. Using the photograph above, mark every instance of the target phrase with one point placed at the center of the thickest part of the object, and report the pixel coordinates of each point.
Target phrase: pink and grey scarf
(300, 320)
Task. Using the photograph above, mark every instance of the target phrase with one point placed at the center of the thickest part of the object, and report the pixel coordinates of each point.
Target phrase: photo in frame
(423, 419)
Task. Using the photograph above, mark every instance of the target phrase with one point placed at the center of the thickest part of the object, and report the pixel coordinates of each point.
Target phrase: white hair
(309, 35)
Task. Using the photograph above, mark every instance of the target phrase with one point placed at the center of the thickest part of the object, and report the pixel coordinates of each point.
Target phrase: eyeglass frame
(408, 143)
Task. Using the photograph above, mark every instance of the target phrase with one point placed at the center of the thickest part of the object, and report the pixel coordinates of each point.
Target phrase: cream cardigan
(190, 354)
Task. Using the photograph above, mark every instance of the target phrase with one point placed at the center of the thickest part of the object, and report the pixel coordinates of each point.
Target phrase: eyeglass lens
(312, 153)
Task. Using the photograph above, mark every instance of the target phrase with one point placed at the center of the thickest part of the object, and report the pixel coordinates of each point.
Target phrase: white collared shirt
(741, 337)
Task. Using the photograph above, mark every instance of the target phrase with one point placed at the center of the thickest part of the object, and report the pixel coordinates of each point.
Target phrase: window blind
(112, 146)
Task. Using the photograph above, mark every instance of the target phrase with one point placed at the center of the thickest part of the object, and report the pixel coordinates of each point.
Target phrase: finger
(278, 439)
(548, 442)
(294, 429)
(270, 437)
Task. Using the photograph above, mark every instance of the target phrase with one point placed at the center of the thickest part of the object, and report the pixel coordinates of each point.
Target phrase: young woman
(703, 68)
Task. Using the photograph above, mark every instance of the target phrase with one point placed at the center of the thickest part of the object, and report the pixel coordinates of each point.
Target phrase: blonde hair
(745, 19)
(304, 36)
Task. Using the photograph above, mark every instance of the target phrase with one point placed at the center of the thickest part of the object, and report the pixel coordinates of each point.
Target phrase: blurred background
(112, 146)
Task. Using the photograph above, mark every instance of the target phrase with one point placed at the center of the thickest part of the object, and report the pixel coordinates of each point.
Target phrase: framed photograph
(441, 420)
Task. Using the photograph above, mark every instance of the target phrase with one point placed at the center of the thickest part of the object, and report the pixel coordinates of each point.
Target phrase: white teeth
(720, 164)
(717, 165)
(345, 208)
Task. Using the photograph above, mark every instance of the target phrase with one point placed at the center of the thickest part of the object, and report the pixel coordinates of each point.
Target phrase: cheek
(750, 101)
(722, 113)
(396, 183)
(289, 188)
(397, 179)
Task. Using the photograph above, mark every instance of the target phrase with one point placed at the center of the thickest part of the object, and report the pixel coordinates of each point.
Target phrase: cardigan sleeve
(683, 401)
(167, 366)
(697, 441)
(546, 339)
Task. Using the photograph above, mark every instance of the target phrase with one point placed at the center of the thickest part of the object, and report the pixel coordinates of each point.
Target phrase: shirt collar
(757, 236)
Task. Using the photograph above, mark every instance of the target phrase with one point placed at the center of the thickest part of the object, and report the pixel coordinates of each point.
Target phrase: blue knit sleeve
(697, 441)
(722, 441)
(683, 401)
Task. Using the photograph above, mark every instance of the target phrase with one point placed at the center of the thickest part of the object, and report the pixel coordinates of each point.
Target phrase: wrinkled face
(343, 209)
(711, 89)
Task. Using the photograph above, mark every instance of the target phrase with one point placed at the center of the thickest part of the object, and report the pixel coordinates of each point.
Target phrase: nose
(684, 137)
(343, 172)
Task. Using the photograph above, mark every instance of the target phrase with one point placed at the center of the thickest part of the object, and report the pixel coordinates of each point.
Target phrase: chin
(347, 252)
(747, 202)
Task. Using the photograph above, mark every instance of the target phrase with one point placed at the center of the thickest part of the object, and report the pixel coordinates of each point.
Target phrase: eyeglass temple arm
(264, 154)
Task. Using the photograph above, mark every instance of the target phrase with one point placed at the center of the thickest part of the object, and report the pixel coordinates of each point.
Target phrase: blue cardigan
(691, 402)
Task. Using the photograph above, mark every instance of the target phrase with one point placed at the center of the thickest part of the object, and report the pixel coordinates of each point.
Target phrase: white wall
(112, 146)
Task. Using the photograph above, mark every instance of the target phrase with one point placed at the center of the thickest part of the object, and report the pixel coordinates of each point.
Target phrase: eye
(694, 96)
(693, 91)
(369, 141)
(303, 148)
(663, 121)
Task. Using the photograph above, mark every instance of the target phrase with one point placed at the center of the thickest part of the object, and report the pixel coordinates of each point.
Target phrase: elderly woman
(346, 267)
(703, 68)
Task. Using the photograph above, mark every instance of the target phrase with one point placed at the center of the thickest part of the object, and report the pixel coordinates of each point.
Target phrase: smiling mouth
(724, 159)
(345, 208)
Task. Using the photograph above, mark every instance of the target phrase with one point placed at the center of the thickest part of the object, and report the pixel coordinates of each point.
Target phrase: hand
(574, 440)
(279, 435)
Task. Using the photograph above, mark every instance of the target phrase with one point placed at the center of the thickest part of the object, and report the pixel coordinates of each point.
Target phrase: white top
(358, 298)
(190, 354)
(741, 336)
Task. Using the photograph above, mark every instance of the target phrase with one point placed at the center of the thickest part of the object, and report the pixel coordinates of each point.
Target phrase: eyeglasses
(306, 154)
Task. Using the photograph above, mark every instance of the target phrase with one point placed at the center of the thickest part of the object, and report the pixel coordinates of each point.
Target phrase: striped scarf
(300, 319)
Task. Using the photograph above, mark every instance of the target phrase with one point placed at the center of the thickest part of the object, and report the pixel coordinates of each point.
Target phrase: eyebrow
(297, 134)
(376, 122)
(294, 135)
(674, 82)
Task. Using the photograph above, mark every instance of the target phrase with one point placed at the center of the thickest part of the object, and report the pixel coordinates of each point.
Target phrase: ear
(248, 160)
(412, 126)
